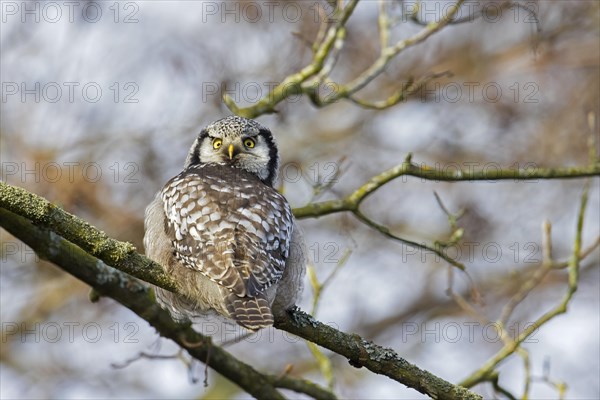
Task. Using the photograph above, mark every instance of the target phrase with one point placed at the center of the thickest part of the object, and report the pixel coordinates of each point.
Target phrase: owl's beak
(230, 151)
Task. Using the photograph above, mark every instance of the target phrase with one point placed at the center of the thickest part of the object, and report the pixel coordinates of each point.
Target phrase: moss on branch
(363, 353)
(118, 254)
(138, 297)
(45, 234)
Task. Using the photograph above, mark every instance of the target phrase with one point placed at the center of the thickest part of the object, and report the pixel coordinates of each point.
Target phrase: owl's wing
(229, 226)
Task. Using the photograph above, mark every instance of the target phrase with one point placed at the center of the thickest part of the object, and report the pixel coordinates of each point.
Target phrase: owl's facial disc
(238, 142)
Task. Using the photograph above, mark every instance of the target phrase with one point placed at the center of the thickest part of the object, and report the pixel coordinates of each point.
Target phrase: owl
(224, 233)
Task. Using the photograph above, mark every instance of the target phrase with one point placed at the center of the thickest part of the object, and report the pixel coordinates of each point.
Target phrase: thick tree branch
(120, 255)
(136, 296)
(363, 353)
(43, 237)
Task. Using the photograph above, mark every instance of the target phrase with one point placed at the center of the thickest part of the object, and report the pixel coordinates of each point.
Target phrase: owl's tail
(250, 312)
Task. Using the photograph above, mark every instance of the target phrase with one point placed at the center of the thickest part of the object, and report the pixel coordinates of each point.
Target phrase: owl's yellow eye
(217, 143)
(249, 143)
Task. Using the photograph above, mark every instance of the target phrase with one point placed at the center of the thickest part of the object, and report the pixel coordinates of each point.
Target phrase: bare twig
(322, 360)
(535, 279)
(291, 85)
(352, 202)
(147, 356)
(483, 373)
(325, 53)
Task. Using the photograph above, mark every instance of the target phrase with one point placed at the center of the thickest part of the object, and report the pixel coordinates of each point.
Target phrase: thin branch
(452, 218)
(483, 373)
(291, 85)
(352, 202)
(386, 232)
(143, 355)
(383, 22)
(430, 173)
(524, 354)
(391, 52)
(490, 375)
(407, 89)
(309, 78)
(499, 389)
(534, 280)
(322, 360)
(584, 253)
(487, 12)
(302, 386)
(561, 387)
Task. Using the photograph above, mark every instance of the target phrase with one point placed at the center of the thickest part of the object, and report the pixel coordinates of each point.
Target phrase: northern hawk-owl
(224, 233)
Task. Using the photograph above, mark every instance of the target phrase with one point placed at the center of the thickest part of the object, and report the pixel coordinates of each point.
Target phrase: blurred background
(102, 100)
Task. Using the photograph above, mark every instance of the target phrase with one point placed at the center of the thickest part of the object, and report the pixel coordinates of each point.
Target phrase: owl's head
(239, 142)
